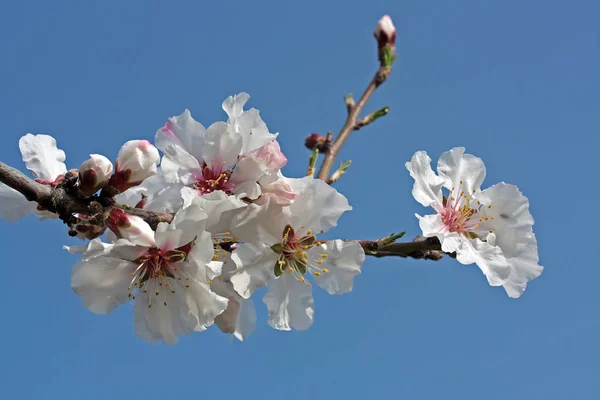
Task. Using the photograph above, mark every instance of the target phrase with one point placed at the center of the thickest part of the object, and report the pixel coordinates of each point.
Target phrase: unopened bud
(314, 141)
(385, 33)
(136, 161)
(94, 174)
(130, 227)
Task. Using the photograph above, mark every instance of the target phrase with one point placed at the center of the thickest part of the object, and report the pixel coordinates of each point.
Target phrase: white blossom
(229, 156)
(166, 277)
(492, 228)
(282, 250)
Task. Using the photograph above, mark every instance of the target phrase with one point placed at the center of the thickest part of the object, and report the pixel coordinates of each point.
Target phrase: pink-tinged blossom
(227, 156)
(94, 174)
(491, 228)
(137, 160)
(165, 275)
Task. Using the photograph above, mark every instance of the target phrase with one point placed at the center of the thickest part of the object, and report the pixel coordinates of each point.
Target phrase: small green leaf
(300, 266)
(277, 248)
(278, 269)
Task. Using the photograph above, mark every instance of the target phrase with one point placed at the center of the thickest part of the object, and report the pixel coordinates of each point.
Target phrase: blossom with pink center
(229, 156)
(166, 275)
(492, 228)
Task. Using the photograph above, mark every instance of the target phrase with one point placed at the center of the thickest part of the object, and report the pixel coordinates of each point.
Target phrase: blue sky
(516, 82)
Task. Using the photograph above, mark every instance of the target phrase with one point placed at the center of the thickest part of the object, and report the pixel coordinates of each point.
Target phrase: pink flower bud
(136, 161)
(271, 154)
(130, 227)
(385, 32)
(94, 174)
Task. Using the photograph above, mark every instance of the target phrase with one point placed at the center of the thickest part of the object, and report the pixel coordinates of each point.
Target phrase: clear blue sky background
(516, 82)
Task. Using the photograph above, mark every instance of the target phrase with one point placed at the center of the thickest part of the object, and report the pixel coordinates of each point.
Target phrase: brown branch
(422, 247)
(32, 190)
(350, 124)
(60, 201)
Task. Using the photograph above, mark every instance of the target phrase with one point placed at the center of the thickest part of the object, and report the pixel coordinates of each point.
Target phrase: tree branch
(421, 248)
(350, 124)
(58, 200)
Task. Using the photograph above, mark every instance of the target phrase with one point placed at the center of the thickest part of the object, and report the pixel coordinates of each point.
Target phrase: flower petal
(488, 258)
(220, 209)
(318, 206)
(183, 131)
(290, 304)
(255, 264)
(427, 189)
(524, 266)
(344, 261)
(240, 317)
(234, 105)
(455, 166)
(222, 145)
(41, 156)
(13, 205)
(102, 282)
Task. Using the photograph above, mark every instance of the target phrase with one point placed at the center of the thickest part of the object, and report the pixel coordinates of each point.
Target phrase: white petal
(240, 317)
(256, 263)
(13, 205)
(160, 321)
(318, 206)
(184, 132)
(191, 219)
(220, 209)
(488, 258)
(202, 252)
(203, 304)
(192, 307)
(102, 282)
(260, 223)
(222, 145)
(290, 304)
(246, 174)
(524, 266)
(427, 189)
(178, 165)
(42, 156)
(254, 131)
(455, 166)
(344, 261)
(509, 208)
(432, 225)
(234, 105)
(125, 250)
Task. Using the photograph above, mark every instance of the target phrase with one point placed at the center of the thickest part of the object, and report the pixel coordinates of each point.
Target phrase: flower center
(213, 178)
(460, 214)
(158, 273)
(293, 255)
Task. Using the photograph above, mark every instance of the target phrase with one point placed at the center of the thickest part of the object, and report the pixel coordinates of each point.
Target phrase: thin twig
(350, 124)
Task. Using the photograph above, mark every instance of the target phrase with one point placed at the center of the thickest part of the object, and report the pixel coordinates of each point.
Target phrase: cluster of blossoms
(232, 223)
(238, 225)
